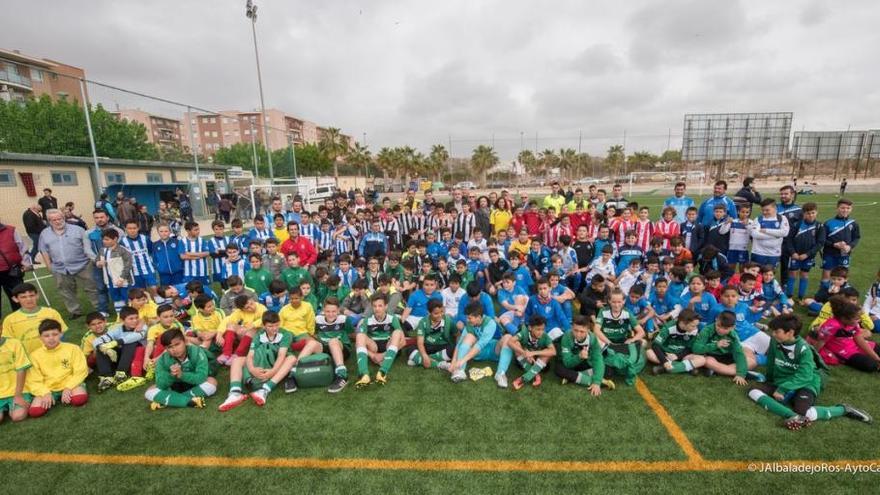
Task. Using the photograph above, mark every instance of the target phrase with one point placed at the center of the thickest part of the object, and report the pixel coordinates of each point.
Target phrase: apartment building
(23, 76)
(162, 131)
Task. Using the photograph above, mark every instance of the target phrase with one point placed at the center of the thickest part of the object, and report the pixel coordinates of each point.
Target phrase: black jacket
(33, 223)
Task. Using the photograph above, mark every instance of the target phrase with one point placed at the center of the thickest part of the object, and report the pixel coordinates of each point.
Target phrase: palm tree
(437, 160)
(483, 159)
(359, 156)
(385, 162)
(527, 159)
(333, 145)
(567, 160)
(547, 159)
(615, 158)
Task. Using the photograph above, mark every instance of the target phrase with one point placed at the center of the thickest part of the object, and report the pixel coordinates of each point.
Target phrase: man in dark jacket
(748, 195)
(33, 225)
(47, 202)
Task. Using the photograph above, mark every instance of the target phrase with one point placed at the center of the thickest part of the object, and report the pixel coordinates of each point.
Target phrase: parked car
(465, 185)
(321, 193)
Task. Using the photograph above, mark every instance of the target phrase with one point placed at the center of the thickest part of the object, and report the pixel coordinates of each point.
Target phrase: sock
(415, 357)
(504, 359)
(79, 400)
(511, 328)
(584, 379)
(825, 283)
(534, 370)
(770, 404)
(36, 412)
(228, 342)
(463, 349)
(802, 287)
(820, 412)
(171, 399)
(341, 372)
(206, 389)
(363, 368)
(235, 387)
(388, 360)
(137, 362)
(522, 362)
(268, 386)
(243, 346)
(681, 366)
(789, 286)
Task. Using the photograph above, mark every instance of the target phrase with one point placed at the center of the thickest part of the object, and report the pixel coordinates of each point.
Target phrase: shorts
(735, 256)
(723, 358)
(488, 353)
(145, 281)
(517, 321)
(830, 261)
(181, 387)
(765, 260)
(299, 342)
(381, 345)
(759, 343)
(119, 294)
(8, 403)
(249, 380)
(171, 278)
(346, 350)
(801, 265)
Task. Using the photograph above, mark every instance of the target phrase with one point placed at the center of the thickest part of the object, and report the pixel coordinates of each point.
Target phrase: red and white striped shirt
(552, 235)
(667, 230)
(619, 227)
(644, 231)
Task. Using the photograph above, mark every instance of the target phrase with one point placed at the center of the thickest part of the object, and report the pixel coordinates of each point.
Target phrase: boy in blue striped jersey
(140, 247)
(194, 252)
(221, 242)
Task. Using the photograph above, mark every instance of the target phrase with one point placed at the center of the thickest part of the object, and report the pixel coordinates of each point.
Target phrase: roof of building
(113, 162)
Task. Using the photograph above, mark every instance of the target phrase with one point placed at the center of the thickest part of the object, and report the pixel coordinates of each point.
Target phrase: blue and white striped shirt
(237, 267)
(220, 243)
(347, 278)
(199, 267)
(140, 248)
(323, 240)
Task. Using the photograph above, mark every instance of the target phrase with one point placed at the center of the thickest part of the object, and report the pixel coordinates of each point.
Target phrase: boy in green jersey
(671, 349)
(533, 349)
(622, 337)
(720, 345)
(581, 361)
(331, 330)
(378, 339)
(181, 374)
(267, 363)
(795, 379)
(435, 339)
(294, 274)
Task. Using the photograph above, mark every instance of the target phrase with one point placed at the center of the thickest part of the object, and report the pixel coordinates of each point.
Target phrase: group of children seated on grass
(592, 307)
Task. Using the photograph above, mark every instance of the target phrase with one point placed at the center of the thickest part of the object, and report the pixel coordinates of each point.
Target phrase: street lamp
(251, 13)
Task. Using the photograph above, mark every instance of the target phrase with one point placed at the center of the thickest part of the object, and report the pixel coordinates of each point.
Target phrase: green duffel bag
(314, 371)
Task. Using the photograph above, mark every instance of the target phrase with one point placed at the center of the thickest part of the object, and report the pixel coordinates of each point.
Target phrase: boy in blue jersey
(692, 233)
(239, 237)
(666, 307)
(476, 265)
(194, 251)
(805, 244)
(435, 249)
(259, 231)
(638, 306)
(417, 302)
(119, 282)
(718, 231)
(538, 259)
(543, 304)
(233, 264)
(140, 247)
(775, 300)
(520, 272)
(276, 297)
(478, 341)
(563, 295)
(842, 236)
(220, 243)
(347, 275)
(603, 238)
(628, 251)
(768, 234)
(474, 294)
(513, 301)
(374, 244)
(697, 299)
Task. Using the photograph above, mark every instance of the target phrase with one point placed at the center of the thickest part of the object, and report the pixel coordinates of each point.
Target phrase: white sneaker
(459, 376)
(444, 366)
(410, 361)
(501, 380)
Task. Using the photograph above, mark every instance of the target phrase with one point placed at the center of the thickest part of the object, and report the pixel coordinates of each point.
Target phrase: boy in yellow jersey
(140, 300)
(97, 326)
(298, 318)
(14, 365)
(242, 324)
(147, 355)
(58, 372)
(24, 323)
(205, 322)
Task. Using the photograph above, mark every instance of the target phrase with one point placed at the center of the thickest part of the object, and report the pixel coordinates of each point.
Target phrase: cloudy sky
(419, 73)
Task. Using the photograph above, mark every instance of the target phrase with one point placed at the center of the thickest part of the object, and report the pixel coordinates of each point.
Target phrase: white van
(320, 193)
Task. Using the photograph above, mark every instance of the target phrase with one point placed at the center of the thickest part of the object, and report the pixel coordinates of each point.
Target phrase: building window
(213, 120)
(225, 120)
(247, 132)
(154, 178)
(7, 178)
(226, 133)
(207, 133)
(64, 178)
(115, 178)
(37, 75)
(213, 133)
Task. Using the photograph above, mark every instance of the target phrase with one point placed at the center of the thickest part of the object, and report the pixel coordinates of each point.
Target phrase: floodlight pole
(251, 13)
(254, 147)
(196, 188)
(99, 182)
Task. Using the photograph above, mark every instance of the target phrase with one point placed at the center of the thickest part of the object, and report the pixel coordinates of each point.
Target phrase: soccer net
(260, 197)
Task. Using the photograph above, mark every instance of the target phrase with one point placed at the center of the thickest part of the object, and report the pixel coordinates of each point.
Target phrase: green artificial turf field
(423, 434)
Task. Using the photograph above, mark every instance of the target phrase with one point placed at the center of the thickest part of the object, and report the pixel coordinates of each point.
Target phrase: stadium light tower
(251, 13)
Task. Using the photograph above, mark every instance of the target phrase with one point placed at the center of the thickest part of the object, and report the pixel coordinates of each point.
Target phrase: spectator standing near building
(14, 261)
(34, 223)
(49, 202)
(68, 253)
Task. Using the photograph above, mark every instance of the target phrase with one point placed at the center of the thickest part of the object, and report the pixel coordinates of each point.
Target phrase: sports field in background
(423, 434)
